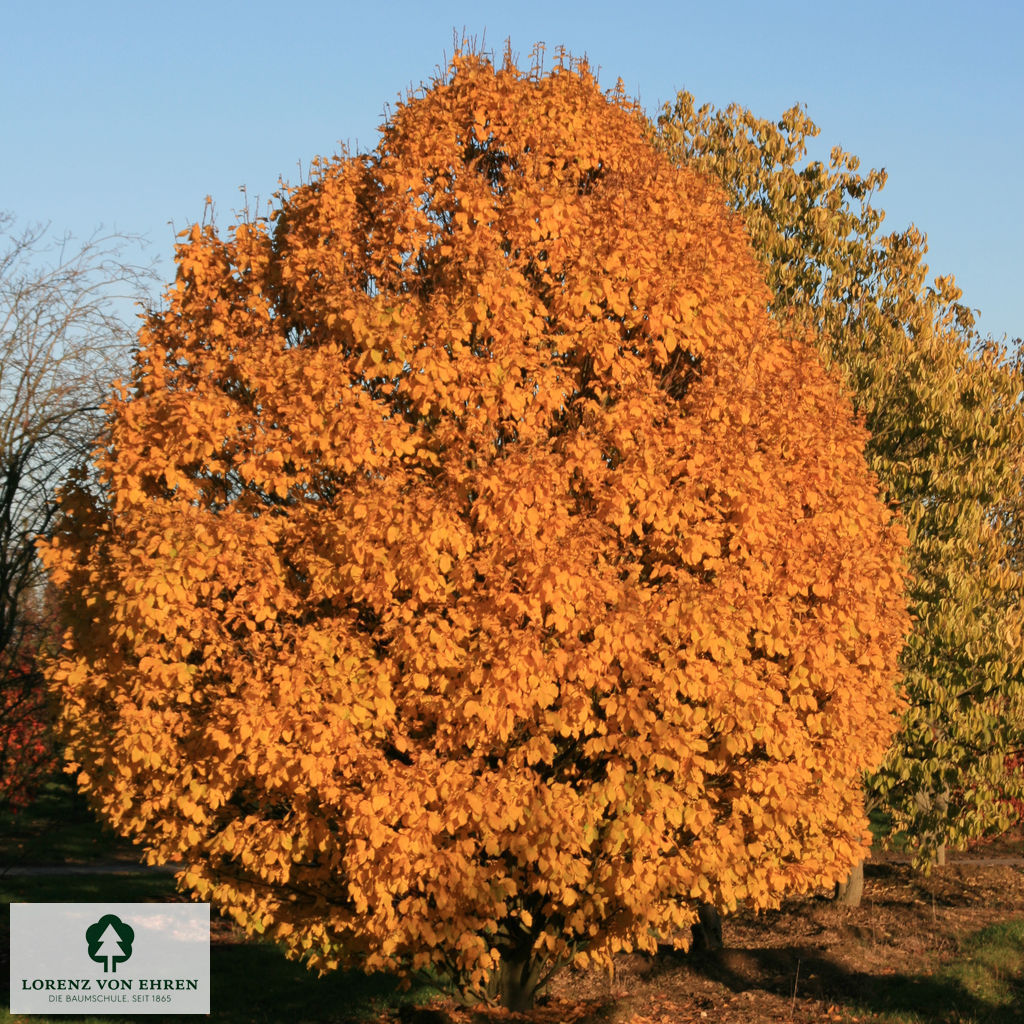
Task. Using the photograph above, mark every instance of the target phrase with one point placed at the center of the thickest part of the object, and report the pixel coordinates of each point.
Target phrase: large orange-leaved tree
(483, 580)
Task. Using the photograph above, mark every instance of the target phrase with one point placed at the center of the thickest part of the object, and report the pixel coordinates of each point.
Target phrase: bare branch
(66, 311)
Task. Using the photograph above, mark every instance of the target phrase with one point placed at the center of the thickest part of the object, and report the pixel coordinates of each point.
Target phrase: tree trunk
(849, 893)
(518, 975)
(707, 932)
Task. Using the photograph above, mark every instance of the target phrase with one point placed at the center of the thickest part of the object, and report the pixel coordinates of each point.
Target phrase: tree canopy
(483, 579)
(945, 414)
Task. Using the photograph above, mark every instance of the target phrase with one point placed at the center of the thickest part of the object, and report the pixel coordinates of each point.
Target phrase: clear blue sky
(127, 114)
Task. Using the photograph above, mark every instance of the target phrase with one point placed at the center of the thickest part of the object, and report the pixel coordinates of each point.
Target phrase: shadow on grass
(250, 982)
(58, 827)
(984, 985)
(157, 887)
(256, 983)
(253, 984)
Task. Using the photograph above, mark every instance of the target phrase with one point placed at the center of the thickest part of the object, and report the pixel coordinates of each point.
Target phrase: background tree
(482, 580)
(27, 754)
(947, 428)
(62, 333)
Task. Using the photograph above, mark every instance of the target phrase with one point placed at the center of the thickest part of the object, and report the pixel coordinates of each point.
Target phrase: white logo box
(96, 958)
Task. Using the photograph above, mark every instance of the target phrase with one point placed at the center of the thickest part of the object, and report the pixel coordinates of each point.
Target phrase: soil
(811, 961)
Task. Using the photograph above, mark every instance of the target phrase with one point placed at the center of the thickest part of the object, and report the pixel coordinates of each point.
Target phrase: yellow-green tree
(947, 431)
(483, 579)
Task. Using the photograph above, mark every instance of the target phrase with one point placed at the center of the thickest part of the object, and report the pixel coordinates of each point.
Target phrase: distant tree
(482, 580)
(27, 754)
(944, 409)
(62, 334)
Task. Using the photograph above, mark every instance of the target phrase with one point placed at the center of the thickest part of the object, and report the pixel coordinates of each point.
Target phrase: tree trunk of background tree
(849, 893)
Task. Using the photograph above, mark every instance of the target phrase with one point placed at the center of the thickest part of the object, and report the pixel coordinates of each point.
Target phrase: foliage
(60, 332)
(27, 754)
(482, 578)
(947, 436)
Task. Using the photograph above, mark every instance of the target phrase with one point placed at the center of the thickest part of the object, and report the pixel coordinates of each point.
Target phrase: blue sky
(127, 114)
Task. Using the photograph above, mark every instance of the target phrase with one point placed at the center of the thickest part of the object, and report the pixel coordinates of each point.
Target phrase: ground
(816, 961)
(947, 948)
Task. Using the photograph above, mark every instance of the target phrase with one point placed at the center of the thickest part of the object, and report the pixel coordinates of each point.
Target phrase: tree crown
(480, 495)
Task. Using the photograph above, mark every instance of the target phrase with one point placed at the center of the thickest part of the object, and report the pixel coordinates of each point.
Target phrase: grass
(253, 982)
(250, 982)
(983, 984)
(140, 888)
(57, 828)
(990, 970)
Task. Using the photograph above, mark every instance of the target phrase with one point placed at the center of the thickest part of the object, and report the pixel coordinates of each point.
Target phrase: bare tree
(65, 331)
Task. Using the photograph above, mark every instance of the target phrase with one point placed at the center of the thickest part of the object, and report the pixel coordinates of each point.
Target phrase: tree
(27, 754)
(944, 409)
(482, 579)
(110, 942)
(61, 333)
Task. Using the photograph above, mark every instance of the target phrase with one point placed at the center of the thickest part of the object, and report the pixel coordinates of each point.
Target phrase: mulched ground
(811, 961)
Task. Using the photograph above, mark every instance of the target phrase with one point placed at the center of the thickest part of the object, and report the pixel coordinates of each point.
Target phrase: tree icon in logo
(110, 941)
